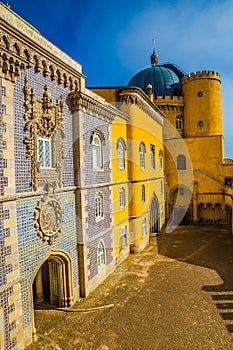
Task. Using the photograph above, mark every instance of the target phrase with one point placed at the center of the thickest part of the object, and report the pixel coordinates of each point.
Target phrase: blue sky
(113, 39)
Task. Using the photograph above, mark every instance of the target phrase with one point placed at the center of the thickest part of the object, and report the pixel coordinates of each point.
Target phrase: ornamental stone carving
(48, 218)
(46, 120)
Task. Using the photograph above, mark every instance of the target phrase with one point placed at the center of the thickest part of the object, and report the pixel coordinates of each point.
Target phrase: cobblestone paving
(180, 298)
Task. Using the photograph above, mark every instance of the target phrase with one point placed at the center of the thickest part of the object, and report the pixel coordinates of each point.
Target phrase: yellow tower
(202, 104)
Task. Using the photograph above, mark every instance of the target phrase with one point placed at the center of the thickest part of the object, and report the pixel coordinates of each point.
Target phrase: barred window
(142, 151)
(152, 156)
(99, 206)
(143, 227)
(121, 147)
(143, 193)
(100, 254)
(44, 149)
(179, 122)
(122, 198)
(123, 236)
(97, 152)
(160, 159)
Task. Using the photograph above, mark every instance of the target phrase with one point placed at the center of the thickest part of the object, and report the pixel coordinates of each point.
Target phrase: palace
(90, 175)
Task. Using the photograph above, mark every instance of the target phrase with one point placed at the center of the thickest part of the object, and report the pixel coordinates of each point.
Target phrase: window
(100, 254)
(97, 152)
(142, 151)
(121, 147)
(181, 191)
(143, 227)
(179, 122)
(161, 187)
(152, 156)
(143, 193)
(160, 159)
(181, 162)
(123, 236)
(44, 149)
(99, 206)
(122, 198)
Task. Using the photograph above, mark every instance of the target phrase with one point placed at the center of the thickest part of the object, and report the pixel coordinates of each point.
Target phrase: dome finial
(154, 56)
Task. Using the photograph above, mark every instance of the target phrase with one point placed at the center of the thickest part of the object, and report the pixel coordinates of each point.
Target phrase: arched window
(99, 206)
(160, 159)
(179, 122)
(122, 198)
(181, 162)
(143, 193)
(142, 151)
(143, 227)
(152, 156)
(97, 152)
(121, 147)
(100, 254)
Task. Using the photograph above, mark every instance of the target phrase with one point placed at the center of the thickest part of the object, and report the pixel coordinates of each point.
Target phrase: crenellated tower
(202, 104)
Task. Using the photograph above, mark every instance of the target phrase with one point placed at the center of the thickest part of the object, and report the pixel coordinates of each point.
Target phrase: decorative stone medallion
(48, 218)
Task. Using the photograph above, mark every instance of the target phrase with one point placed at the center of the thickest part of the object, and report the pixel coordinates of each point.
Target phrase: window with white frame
(97, 152)
(44, 151)
(142, 152)
(123, 236)
(143, 227)
(99, 206)
(160, 159)
(152, 156)
(122, 198)
(161, 187)
(179, 122)
(100, 254)
(143, 193)
(121, 147)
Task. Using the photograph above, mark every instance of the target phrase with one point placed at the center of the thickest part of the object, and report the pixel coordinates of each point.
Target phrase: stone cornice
(137, 97)
(22, 46)
(94, 105)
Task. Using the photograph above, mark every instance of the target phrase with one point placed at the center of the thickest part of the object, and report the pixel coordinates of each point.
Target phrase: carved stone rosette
(43, 119)
(48, 218)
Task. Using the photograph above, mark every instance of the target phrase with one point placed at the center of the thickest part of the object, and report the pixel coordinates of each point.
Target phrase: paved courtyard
(180, 298)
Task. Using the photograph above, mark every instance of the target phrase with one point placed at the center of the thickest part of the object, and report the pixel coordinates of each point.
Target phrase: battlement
(169, 100)
(205, 74)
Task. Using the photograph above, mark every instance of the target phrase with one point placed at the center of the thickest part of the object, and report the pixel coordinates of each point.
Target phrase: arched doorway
(53, 281)
(154, 215)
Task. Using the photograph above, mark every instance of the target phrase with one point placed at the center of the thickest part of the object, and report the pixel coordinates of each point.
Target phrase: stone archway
(52, 283)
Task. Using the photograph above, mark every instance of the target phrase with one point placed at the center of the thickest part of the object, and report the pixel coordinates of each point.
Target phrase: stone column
(39, 287)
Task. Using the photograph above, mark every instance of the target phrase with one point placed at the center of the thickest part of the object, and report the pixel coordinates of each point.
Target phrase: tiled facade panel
(3, 162)
(23, 164)
(32, 249)
(106, 240)
(90, 124)
(7, 325)
(4, 270)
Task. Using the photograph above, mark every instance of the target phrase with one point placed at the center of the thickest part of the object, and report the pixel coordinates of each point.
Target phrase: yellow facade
(144, 126)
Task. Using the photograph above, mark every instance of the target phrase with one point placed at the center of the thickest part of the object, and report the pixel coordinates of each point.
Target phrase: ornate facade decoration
(48, 218)
(43, 119)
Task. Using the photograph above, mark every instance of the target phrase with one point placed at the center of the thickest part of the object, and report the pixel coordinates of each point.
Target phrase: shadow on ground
(210, 247)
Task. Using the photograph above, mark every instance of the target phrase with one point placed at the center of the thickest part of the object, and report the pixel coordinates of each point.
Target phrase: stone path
(179, 299)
